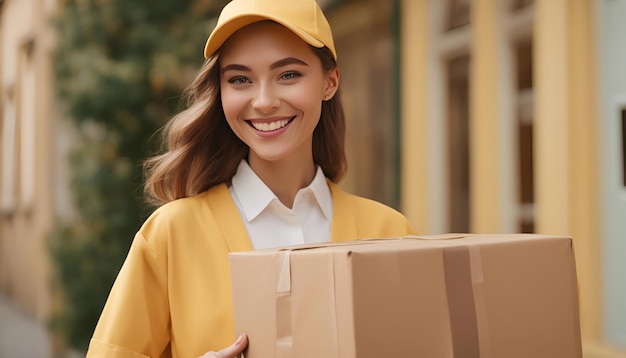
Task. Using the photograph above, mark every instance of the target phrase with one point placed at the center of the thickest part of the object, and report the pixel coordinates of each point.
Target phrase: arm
(135, 320)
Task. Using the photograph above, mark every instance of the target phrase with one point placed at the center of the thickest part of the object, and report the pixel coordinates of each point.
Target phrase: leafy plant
(120, 68)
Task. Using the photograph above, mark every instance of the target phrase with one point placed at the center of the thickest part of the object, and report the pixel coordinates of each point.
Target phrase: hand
(232, 351)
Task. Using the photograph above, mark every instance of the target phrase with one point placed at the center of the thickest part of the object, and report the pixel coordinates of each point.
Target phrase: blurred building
(468, 115)
(28, 150)
(497, 116)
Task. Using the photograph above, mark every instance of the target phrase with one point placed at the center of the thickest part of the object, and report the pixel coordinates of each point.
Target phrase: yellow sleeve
(135, 320)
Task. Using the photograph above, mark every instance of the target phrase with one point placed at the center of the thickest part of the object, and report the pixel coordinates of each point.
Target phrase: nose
(265, 99)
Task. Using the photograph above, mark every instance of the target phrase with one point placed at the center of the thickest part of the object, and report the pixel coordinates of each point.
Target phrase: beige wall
(27, 194)
(565, 143)
(567, 146)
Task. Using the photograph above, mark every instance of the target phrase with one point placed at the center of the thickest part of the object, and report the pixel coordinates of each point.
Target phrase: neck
(284, 177)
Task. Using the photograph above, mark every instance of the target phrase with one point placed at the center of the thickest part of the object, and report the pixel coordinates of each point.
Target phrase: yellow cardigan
(172, 296)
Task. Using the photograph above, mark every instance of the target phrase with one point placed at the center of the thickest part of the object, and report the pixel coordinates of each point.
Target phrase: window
(27, 103)
(9, 145)
(520, 4)
(458, 14)
(526, 200)
(448, 122)
(624, 146)
(458, 144)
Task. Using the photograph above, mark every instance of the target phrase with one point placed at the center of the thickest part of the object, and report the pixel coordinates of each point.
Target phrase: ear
(332, 84)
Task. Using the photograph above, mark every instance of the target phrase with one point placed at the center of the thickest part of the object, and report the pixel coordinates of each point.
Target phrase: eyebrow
(287, 61)
(280, 63)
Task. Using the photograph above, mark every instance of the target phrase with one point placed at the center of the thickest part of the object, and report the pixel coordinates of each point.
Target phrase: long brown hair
(202, 151)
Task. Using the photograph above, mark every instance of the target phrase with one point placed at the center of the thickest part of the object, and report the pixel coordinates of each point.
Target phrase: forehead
(264, 38)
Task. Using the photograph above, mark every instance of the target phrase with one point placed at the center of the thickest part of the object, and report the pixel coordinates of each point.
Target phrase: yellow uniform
(172, 297)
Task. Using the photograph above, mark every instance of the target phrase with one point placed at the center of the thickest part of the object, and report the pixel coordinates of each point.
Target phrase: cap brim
(223, 31)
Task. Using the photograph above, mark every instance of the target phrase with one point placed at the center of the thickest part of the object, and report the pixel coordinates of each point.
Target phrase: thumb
(235, 349)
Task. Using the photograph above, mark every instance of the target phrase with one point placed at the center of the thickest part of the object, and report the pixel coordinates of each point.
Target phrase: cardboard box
(457, 295)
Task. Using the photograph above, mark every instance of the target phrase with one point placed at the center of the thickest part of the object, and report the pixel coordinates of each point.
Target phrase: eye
(238, 80)
(290, 75)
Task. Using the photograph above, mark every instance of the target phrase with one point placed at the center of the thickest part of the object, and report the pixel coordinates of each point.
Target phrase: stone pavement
(20, 335)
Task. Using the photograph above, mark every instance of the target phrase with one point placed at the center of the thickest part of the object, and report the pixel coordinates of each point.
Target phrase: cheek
(232, 103)
(309, 98)
(315, 106)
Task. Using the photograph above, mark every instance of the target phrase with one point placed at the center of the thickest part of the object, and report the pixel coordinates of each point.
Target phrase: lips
(270, 126)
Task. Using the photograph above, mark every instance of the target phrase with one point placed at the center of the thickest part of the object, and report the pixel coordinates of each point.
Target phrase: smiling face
(272, 87)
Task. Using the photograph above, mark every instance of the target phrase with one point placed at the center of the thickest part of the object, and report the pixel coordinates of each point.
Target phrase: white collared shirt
(270, 223)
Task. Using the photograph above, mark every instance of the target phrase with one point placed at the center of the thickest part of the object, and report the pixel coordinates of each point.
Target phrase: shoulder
(362, 204)
(184, 214)
(370, 215)
(194, 205)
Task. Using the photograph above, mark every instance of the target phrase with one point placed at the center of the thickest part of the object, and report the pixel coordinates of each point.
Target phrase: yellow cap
(303, 17)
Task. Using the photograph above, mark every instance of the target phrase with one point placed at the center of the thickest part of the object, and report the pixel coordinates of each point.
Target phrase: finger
(235, 349)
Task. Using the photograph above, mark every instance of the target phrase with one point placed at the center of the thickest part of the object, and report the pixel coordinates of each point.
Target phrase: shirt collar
(322, 193)
(255, 196)
(252, 192)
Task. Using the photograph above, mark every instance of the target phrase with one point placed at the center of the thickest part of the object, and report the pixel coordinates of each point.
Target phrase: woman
(252, 163)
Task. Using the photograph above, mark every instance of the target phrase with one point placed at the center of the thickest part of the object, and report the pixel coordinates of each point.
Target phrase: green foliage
(120, 67)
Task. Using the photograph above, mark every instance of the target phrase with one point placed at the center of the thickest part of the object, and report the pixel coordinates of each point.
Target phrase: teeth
(268, 127)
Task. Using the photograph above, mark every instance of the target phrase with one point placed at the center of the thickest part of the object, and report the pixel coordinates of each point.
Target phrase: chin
(271, 156)
(273, 159)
